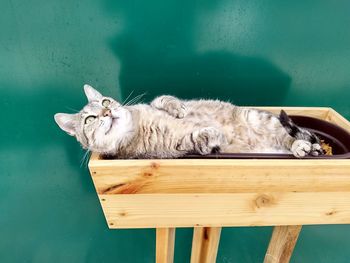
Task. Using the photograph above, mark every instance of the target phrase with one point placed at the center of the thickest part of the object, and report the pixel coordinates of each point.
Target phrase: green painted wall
(251, 52)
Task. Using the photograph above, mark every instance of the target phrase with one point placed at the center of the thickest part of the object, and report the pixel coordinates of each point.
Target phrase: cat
(171, 128)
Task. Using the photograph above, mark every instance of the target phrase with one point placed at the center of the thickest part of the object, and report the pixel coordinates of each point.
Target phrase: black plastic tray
(335, 136)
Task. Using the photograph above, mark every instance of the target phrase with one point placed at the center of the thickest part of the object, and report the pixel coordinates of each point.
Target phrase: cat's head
(101, 126)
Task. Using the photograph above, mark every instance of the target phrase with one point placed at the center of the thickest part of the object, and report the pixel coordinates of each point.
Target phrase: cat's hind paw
(301, 148)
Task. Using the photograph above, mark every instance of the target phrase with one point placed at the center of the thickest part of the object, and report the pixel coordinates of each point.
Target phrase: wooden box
(190, 193)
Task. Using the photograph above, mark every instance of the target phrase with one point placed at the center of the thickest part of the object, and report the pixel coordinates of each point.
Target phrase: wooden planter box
(215, 193)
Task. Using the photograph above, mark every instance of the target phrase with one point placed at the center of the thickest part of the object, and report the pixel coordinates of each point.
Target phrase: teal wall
(249, 51)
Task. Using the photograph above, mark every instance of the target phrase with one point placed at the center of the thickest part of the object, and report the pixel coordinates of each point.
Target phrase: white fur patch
(301, 148)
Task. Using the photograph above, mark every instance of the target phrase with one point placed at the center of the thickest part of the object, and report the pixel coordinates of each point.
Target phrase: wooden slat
(282, 244)
(241, 209)
(165, 241)
(220, 176)
(337, 119)
(205, 244)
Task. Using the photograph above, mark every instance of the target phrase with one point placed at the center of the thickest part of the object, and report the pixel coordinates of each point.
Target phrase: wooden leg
(165, 245)
(205, 244)
(282, 244)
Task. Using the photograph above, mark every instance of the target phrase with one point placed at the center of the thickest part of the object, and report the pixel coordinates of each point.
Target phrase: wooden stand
(165, 242)
(210, 194)
(282, 244)
(205, 244)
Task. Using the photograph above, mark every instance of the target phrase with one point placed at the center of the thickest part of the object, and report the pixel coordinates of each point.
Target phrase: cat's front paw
(171, 105)
(208, 140)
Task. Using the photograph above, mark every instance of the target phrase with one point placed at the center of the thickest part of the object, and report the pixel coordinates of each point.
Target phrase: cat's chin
(114, 122)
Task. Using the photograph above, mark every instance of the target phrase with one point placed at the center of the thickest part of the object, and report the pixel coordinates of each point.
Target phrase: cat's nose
(107, 112)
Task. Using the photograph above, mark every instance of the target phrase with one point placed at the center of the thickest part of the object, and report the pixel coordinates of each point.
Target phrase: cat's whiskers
(87, 155)
(69, 108)
(132, 101)
(135, 99)
(127, 98)
(85, 158)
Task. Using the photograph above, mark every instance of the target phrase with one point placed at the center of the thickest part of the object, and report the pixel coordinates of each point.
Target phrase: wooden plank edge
(215, 210)
(336, 118)
(157, 163)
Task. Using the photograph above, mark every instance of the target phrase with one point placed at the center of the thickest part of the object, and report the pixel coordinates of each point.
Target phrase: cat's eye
(106, 102)
(90, 119)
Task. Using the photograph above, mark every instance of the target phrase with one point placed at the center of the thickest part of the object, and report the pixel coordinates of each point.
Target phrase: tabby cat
(170, 128)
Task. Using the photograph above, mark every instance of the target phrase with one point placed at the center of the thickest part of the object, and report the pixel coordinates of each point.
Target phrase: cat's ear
(67, 122)
(91, 93)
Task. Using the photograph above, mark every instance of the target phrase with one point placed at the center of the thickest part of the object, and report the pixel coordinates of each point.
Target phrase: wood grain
(165, 241)
(220, 176)
(205, 244)
(215, 210)
(282, 244)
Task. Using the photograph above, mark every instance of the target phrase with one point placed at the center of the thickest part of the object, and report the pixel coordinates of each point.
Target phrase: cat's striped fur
(170, 128)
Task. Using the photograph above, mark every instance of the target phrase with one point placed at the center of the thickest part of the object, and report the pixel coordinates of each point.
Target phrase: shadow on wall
(157, 54)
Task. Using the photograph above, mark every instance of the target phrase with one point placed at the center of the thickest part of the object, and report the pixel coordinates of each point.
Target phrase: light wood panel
(220, 176)
(165, 242)
(241, 209)
(336, 118)
(205, 244)
(282, 244)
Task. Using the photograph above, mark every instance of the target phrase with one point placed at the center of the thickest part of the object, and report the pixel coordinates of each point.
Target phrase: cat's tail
(288, 124)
